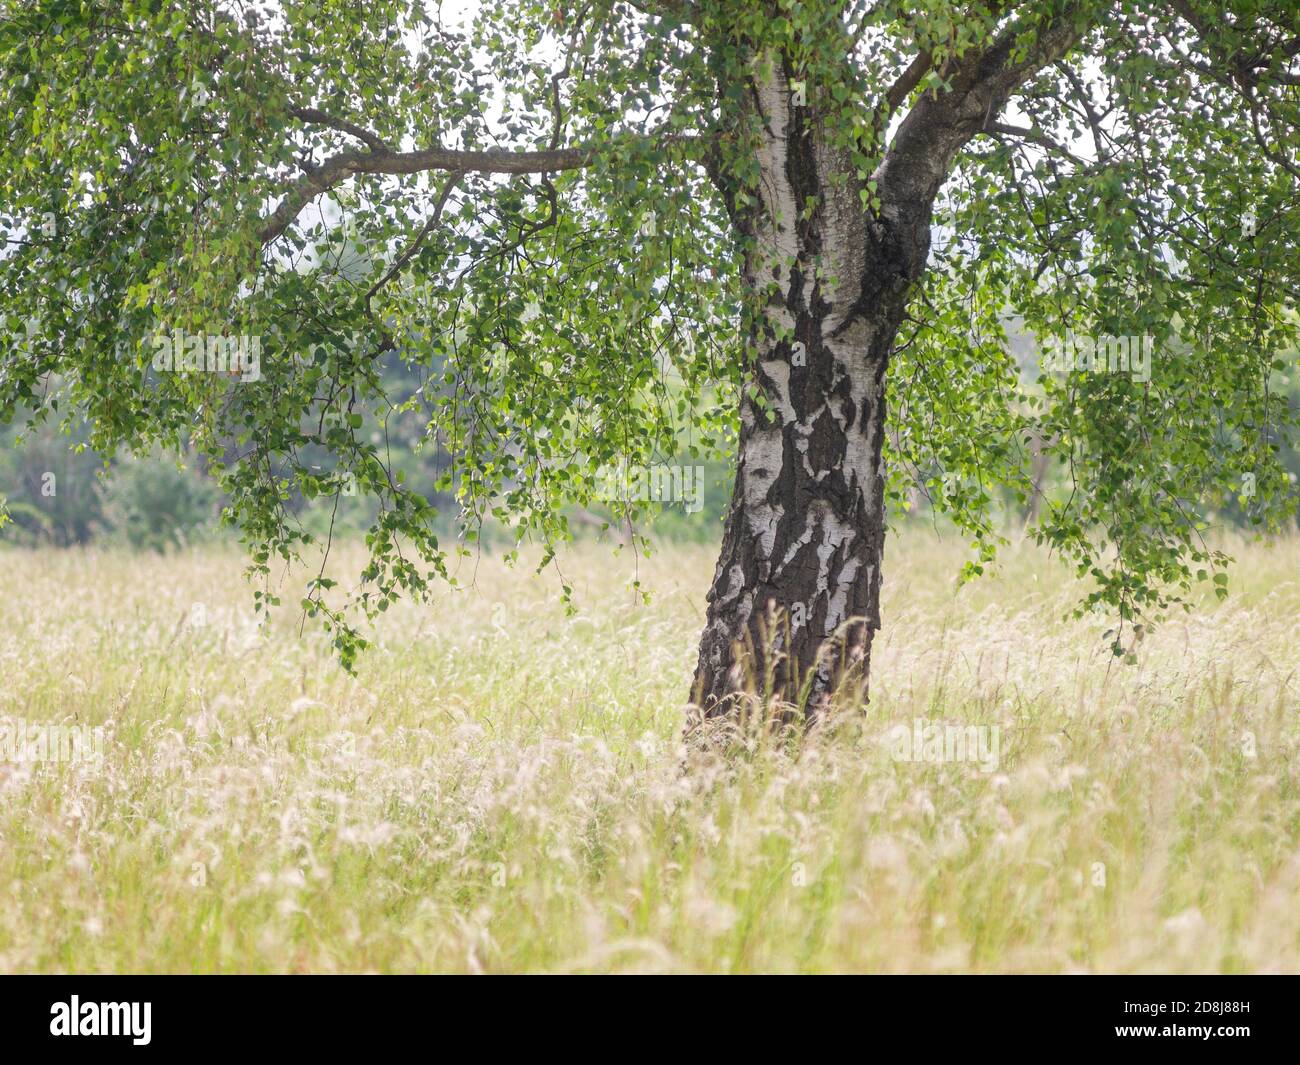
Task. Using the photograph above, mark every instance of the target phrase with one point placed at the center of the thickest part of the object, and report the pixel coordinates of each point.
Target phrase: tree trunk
(795, 598)
(1040, 463)
(796, 595)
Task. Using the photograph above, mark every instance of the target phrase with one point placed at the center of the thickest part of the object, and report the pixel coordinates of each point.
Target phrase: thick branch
(907, 81)
(920, 157)
(338, 168)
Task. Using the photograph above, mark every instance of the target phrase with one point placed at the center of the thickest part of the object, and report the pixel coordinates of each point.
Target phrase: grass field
(505, 789)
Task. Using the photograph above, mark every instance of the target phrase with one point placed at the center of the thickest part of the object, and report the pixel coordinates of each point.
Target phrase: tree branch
(452, 181)
(338, 168)
(920, 156)
(1001, 129)
(907, 81)
(321, 118)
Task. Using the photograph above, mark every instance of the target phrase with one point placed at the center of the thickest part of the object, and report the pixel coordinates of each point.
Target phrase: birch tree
(788, 232)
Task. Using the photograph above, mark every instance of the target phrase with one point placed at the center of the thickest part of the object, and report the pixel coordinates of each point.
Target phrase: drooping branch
(452, 181)
(1100, 139)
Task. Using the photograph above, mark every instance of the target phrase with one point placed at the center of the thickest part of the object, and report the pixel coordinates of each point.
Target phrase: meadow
(503, 788)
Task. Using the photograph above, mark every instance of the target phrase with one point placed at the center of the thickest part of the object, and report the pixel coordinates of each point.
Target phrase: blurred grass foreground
(504, 788)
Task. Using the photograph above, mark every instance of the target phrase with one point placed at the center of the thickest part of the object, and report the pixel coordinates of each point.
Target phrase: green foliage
(59, 493)
(50, 489)
(553, 324)
(155, 504)
(1141, 227)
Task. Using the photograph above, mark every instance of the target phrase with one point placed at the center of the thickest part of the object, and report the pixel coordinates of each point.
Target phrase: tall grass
(502, 788)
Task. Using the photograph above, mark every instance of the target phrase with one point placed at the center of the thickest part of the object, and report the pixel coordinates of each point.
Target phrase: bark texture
(796, 594)
(795, 600)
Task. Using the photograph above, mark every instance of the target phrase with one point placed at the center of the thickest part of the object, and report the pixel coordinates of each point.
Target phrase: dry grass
(502, 788)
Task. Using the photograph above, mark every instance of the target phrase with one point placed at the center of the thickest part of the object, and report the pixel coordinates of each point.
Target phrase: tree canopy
(541, 211)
